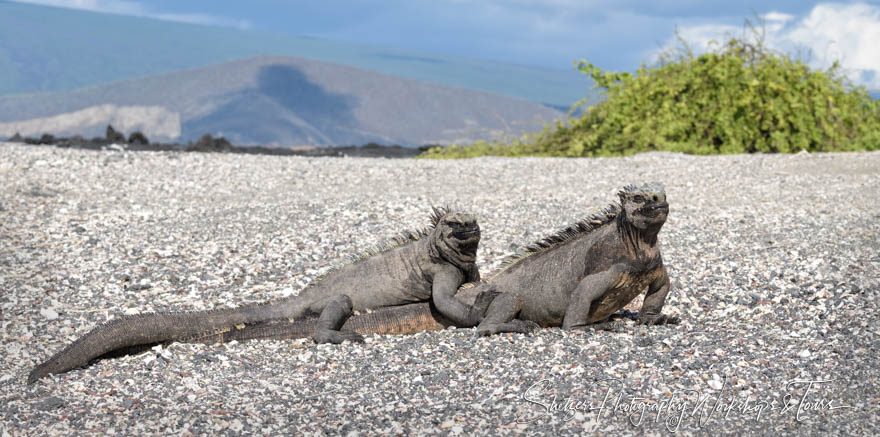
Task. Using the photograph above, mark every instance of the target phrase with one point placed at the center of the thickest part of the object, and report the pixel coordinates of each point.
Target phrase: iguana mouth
(468, 242)
(655, 210)
(464, 238)
(466, 234)
(469, 250)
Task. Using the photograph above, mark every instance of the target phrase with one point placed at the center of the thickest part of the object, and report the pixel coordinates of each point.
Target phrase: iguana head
(457, 236)
(644, 206)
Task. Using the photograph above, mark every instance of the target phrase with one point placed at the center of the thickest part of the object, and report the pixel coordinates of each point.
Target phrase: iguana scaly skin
(427, 265)
(578, 276)
(588, 271)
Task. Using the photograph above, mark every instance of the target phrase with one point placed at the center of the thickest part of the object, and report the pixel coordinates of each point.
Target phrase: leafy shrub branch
(740, 97)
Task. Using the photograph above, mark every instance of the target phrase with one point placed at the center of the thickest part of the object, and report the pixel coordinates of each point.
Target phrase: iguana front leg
(588, 289)
(650, 313)
(445, 284)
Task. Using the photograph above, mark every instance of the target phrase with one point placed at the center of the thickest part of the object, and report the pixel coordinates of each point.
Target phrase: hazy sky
(614, 34)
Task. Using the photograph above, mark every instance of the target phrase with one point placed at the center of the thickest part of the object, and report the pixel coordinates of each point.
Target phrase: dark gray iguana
(588, 271)
(580, 275)
(426, 265)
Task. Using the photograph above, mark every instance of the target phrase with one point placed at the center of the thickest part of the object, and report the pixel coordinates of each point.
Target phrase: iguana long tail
(145, 329)
(397, 320)
(245, 323)
(127, 332)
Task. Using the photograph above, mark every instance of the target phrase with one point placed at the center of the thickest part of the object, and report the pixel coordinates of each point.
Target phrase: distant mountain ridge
(277, 100)
(47, 49)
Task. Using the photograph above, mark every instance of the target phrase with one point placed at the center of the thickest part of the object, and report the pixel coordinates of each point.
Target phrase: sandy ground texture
(774, 264)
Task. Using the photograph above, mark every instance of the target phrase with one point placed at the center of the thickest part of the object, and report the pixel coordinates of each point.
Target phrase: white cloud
(848, 33)
(137, 8)
(777, 17)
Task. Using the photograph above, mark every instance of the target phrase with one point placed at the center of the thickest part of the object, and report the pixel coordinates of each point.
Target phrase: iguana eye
(638, 199)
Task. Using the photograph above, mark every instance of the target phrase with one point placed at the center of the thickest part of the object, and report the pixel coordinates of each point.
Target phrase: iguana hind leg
(334, 315)
(501, 317)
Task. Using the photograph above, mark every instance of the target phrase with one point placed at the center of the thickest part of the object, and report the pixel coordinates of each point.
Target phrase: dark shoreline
(220, 145)
(365, 151)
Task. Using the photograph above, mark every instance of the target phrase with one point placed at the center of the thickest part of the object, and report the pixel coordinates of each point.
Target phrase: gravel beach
(774, 260)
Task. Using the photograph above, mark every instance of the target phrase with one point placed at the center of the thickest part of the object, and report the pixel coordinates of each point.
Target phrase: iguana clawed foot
(610, 326)
(337, 311)
(658, 319)
(335, 337)
(515, 325)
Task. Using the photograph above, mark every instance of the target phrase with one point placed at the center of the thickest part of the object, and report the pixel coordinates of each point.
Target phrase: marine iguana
(578, 276)
(425, 265)
(588, 271)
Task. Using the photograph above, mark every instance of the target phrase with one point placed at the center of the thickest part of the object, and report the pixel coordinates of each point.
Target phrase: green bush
(741, 97)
